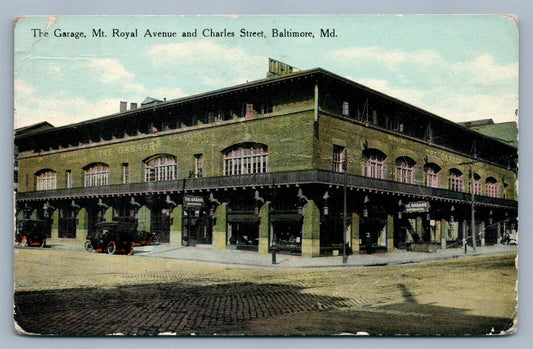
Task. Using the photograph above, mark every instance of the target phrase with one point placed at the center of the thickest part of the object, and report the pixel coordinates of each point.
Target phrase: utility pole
(344, 214)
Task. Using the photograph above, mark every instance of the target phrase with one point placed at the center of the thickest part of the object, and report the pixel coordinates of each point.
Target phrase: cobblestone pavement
(68, 292)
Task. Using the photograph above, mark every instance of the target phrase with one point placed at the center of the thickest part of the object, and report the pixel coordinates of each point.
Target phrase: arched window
(432, 175)
(374, 163)
(245, 158)
(46, 180)
(493, 187)
(161, 168)
(96, 174)
(456, 180)
(405, 170)
(476, 184)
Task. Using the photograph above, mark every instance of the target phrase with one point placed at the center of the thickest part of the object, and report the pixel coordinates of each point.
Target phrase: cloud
(409, 95)
(206, 61)
(110, 70)
(465, 90)
(59, 109)
(391, 59)
(482, 70)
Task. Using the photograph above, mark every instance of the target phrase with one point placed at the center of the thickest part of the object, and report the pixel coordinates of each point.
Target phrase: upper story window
(125, 173)
(161, 168)
(246, 158)
(456, 180)
(395, 123)
(493, 188)
(405, 170)
(345, 108)
(374, 163)
(96, 174)
(46, 180)
(432, 175)
(250, 111)
(199, 166)
(70, 179)
(476, 184)
(267, 108)
(339, 158)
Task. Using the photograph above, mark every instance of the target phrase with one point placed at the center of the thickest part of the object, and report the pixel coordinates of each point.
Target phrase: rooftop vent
(123, 106)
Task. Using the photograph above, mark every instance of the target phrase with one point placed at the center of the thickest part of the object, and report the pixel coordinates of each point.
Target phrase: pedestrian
(368, 242)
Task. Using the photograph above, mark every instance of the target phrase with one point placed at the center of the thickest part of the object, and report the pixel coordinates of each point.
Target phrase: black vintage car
(117, 237)
(32, 232)
(112, 237)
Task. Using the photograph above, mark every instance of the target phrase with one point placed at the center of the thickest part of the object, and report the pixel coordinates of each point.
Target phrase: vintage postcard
(266, 175)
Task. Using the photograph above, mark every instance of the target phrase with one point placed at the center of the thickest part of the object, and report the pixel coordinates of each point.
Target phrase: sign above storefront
(190, 201)
(417, 206)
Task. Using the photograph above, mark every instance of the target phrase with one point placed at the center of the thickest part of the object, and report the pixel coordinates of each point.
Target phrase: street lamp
(472, 207)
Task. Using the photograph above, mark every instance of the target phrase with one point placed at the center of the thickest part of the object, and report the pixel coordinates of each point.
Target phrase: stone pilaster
(311, 230)
(83, 225)
(482, 233)
(443, 233)
(355, 233)
(390, 233)
(221, 227)
(108, 215)
(419, 228)
(176, 228)
(144, 219)
(264, 228)
(55, 225)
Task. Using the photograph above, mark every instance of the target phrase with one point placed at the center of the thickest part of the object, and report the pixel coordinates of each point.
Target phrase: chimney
(133, 106)
(123, 106)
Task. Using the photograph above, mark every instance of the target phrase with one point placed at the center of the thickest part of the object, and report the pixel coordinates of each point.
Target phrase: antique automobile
(144, 238)
(32, 232)
(112, 237)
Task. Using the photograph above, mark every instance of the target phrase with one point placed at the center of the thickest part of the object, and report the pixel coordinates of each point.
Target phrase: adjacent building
(307, 161)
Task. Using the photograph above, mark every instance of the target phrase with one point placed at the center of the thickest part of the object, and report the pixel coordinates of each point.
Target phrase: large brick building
(281, 160)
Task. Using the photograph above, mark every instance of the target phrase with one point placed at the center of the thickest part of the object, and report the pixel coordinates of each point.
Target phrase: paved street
(69, 292)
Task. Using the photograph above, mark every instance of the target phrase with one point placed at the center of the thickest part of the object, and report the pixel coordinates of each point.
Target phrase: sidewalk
(205, 253)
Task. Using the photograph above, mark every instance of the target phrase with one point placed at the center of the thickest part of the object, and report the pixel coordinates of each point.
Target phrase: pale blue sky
(458, 67)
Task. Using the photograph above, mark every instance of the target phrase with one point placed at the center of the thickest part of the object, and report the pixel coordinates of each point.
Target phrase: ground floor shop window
(67, 224)
(331, 238)
(288, 235)
(243, 235)
(198, 229)
(160, 225)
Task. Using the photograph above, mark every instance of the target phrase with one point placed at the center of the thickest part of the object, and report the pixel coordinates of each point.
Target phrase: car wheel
(24, 242)
(111, 247)
(154, 240)
(88, 246)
